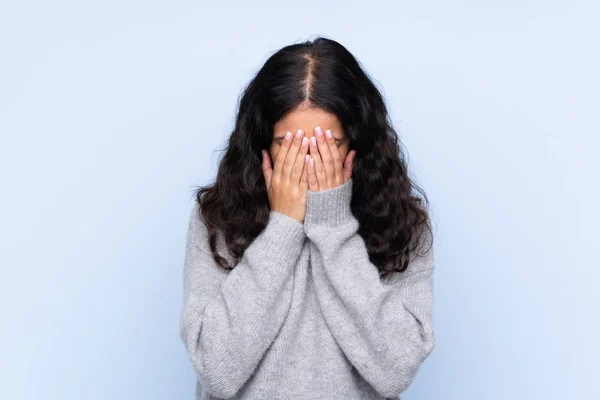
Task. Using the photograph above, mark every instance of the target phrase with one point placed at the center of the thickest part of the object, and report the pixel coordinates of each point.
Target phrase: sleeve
(230, 318)
(384, 328)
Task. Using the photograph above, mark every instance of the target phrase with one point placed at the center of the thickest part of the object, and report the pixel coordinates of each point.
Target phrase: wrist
(329, 206)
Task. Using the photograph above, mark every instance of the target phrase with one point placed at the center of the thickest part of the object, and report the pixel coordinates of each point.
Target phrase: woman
(308, 270)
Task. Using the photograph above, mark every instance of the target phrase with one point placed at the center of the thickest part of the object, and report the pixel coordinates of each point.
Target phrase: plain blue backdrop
(111, 112)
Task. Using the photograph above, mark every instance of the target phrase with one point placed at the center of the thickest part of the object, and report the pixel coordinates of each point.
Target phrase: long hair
(390, 208)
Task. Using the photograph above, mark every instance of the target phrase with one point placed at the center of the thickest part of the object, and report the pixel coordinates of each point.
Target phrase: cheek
(344, 149)
(274, 150)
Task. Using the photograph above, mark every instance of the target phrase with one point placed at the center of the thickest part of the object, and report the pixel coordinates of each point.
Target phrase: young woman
(309, 261)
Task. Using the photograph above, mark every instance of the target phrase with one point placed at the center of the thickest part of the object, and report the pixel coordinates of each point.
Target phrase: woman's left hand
(326, 169)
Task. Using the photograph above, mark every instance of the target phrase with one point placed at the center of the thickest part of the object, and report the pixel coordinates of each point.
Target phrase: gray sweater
(304, 315)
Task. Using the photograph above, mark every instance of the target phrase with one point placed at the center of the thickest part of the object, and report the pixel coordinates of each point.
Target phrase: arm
(384, 328)
(230, 318)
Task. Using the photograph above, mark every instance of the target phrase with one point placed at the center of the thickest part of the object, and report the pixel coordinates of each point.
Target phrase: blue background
(111, 112)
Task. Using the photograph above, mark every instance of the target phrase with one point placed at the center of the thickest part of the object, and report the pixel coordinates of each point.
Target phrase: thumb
(348, 165)
(267, 168)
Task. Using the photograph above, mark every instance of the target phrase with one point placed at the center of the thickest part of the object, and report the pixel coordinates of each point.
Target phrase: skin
(316, 156)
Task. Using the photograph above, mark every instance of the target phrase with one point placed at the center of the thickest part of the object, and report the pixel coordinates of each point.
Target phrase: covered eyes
(338, 142)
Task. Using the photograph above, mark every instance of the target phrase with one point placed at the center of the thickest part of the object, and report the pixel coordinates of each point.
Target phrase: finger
(336, 158)
(303, 187)
(326, 160)
(319, 168)
(299, 165)
(289, 164)
(348, 164)
(313, 183)
(267, 168)
(281, 154)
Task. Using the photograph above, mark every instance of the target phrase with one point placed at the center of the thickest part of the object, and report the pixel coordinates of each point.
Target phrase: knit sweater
(304, 314)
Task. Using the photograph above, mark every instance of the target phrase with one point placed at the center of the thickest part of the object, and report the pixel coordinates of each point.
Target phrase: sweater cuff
(329, 206)
(285, 236)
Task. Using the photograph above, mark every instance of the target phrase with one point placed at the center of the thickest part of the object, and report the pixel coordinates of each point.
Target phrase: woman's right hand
(287, 181)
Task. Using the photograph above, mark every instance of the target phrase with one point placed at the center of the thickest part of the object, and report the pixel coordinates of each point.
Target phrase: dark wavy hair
(390, 208)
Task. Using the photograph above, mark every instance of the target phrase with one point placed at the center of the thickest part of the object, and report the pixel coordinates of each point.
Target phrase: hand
(287, 182)
(325, 167)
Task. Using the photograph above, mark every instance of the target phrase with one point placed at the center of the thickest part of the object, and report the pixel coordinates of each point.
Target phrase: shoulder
(199, 234)
(421, 258)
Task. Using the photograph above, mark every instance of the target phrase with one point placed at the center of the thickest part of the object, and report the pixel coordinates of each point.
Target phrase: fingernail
(298, 133)
(328, 133)
(288, 135)
(306, 158)
(313, 141)
(319, 131)
(304, 141)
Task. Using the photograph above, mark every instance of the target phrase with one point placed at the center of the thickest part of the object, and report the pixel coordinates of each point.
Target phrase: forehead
(307, 119)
